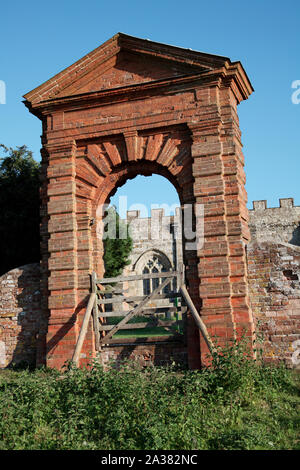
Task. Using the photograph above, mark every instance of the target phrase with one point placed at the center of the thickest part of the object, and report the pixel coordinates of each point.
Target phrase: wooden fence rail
(137, 277)
(84, 328)
(197, 318)
(138, 307)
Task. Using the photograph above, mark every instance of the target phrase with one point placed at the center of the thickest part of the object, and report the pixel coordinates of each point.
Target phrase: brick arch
(201, 172)
(104, 165)
(122, 173)
(182, 181)
(184, 127)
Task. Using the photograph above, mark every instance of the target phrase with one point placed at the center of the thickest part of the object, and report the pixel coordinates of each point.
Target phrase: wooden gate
(121, 318)
(144, 317)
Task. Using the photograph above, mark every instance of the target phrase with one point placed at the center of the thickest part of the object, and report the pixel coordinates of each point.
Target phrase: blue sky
(39, 39)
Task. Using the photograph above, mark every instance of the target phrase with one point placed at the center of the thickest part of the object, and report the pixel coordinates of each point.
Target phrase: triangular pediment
(128, 68)
(121, 62)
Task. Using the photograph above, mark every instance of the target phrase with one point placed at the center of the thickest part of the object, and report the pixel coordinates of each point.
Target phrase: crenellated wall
(275, 224)
(273, 258)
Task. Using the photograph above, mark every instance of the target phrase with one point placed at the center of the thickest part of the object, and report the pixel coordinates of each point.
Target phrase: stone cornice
(170, 52)
(231, 75)
(110, 95)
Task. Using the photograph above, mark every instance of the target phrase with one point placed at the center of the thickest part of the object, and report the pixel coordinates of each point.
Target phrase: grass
(236, 404)
(146, 332)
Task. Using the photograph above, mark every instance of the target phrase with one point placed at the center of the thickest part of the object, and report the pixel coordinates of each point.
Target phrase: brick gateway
(130, 107)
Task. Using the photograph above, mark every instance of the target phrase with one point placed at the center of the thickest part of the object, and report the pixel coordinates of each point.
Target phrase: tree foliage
(117, 244)
(19, 208)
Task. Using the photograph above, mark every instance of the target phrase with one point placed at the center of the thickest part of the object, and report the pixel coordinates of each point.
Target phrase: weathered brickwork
(21, 324)
(274, 278)
(133, 107)
(274, 285)
(159, 354)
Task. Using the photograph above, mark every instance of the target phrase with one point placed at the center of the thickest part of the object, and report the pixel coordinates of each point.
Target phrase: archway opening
(150, 206)
(144, 193)
(167, 190)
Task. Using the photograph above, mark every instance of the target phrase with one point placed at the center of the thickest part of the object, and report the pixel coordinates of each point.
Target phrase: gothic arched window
(154, 265)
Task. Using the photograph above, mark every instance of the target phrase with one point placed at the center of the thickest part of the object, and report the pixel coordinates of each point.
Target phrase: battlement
(155, 214)
(158, 226)
(261, 205)
(286, 203)
(275, 224)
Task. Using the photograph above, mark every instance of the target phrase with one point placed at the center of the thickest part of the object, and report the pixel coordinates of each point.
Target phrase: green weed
(237, 403)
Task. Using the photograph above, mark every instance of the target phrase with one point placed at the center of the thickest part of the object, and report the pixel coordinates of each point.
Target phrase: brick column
(213, 267)
(219, 186)
(62, 248)
(87, 254)
(237, 217)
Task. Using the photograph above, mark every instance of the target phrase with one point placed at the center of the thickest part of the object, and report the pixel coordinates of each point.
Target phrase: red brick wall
(22, 329)
(274, 287)
(160, 354)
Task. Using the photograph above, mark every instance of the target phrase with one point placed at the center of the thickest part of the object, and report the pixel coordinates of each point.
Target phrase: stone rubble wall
(274, 290)
(273, 259)
(275, 224)
(20, 320)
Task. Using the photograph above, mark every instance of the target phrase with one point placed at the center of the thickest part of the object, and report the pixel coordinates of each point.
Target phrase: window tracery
(154, 265)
